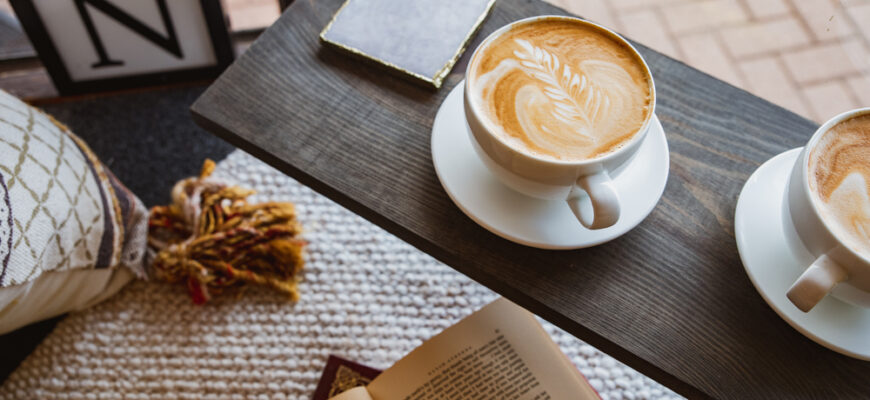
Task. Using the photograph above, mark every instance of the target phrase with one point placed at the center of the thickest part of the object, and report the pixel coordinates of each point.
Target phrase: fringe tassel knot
(211, 239)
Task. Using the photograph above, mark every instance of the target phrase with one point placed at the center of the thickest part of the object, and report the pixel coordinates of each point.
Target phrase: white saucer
(774, 257)
(529, 221)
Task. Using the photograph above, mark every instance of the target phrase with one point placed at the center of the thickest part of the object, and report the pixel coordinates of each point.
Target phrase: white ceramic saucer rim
(656, 133)
(742, 246)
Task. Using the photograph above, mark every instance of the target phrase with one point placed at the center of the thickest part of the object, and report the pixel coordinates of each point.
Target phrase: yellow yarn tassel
(210, 238)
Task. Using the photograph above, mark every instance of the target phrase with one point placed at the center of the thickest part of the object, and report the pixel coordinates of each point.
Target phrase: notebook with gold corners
(420, 39)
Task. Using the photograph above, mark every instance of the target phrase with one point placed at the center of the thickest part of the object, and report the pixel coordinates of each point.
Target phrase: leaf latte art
(561, 89)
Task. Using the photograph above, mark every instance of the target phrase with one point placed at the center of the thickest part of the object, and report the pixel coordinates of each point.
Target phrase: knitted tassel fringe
(211, 239)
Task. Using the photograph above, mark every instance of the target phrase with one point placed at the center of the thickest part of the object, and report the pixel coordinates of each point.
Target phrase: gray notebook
(418, 38)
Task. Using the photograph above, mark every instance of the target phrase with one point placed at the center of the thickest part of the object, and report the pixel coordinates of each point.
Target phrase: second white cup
(836, 263)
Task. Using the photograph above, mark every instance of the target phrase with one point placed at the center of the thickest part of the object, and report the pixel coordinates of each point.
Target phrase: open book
(499, 352)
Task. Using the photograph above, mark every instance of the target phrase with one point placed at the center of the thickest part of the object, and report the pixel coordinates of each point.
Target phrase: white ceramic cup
(585, 185)
(835, 262)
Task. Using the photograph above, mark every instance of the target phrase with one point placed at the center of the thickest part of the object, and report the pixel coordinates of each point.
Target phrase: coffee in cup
(561, 89)
(554, 105)
(828, 204)
(839, 178)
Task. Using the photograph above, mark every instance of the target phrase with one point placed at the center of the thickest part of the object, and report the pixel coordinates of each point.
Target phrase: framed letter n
(91, 45)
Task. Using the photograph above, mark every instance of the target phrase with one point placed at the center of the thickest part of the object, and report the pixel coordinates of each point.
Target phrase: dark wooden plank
(28, 83)
(670, 298)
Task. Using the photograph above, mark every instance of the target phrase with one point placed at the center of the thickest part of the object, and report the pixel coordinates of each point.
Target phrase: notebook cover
(340, 375)
(422, 39)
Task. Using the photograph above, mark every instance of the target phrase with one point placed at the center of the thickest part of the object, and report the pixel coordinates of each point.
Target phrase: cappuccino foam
(839, 173)
(561, 89)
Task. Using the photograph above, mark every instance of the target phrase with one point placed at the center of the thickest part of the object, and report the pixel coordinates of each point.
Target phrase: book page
(357, 393)
(499, 352)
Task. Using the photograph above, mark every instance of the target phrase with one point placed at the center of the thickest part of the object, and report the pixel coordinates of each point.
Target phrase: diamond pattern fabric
(59, 207)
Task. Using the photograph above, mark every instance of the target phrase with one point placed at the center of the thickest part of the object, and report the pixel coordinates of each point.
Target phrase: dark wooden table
(670, 298)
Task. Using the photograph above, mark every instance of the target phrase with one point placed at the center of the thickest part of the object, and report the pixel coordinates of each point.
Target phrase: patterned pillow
(66, 223)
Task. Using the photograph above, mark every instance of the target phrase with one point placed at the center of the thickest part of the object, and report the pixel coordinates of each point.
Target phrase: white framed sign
(92, 45)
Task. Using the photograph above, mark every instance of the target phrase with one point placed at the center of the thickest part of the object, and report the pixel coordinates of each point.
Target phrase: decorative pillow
(67, 225)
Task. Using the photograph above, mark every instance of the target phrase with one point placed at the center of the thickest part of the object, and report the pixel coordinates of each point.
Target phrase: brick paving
(251, 14)
(809, 56)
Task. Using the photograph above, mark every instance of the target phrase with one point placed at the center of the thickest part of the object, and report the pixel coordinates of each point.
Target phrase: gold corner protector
(332, 20)
(369, 57)
(448, 66)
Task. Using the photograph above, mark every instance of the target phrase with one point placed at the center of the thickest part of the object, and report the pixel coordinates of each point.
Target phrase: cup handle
(815, 283)
(598, 187)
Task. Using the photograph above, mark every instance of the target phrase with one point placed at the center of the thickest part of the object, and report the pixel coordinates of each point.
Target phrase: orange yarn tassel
(211, 239)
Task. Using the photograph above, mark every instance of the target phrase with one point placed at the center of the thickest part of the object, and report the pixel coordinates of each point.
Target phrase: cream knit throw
(366, 296)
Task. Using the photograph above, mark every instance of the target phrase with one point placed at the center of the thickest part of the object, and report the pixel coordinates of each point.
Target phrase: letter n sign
(92, 45)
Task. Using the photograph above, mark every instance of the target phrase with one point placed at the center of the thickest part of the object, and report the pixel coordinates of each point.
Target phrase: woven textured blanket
(366, 296)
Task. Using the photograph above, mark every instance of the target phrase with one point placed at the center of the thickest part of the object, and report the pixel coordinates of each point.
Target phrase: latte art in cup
(839, 178)
(561, 89)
